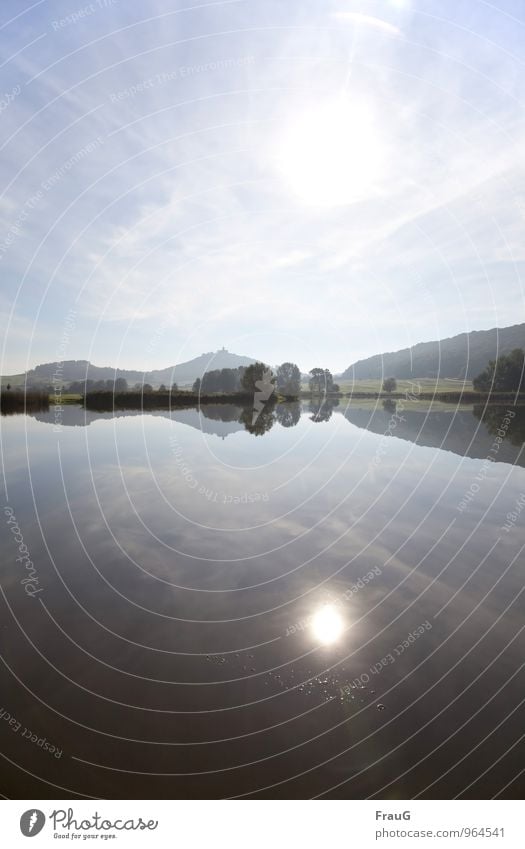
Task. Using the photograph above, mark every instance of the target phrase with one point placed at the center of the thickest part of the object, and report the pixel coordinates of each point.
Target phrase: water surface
(171, 646)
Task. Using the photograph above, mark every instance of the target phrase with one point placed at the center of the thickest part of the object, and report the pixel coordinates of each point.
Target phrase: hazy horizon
(269, 360)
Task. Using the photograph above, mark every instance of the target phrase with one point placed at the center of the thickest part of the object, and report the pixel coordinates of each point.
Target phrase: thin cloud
(368, 20)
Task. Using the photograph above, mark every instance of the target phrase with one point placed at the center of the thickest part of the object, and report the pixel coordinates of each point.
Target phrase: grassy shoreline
(21, 402)
(17, 401)
(167, 400)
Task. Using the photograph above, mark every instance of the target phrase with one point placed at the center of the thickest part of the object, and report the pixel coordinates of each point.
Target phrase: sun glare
(327, 625)
(332, 154)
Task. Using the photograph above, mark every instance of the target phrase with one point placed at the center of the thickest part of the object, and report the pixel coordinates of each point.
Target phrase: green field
(13, 380)
(65, 398)
(425, 385)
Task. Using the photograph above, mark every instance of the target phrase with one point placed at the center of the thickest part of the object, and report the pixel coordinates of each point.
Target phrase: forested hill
(183, 373)
(465, 355)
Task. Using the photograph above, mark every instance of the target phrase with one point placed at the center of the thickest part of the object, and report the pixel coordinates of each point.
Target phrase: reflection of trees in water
(288, 415)
(264, 421)
(493, 416)
(389, 406)
(322, 409)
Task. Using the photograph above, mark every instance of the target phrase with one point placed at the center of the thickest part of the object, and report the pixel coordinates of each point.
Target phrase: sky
(307, 181)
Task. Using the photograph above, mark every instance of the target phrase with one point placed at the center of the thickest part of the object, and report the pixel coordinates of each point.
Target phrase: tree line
(285, 379)
(506, 374)
(80, 387)
(257, 377)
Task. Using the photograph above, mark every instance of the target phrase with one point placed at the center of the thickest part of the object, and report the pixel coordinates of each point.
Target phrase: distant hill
(182, 374)
(189, 371)
(70, 370)
(462, 356)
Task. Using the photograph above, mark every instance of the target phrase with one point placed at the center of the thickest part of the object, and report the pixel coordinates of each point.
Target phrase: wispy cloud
(180, 214)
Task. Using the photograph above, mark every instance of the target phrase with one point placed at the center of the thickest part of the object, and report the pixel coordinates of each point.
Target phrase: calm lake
(326, 602)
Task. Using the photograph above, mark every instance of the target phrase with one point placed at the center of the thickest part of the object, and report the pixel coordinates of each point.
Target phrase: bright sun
(331, 154)
(327, 625)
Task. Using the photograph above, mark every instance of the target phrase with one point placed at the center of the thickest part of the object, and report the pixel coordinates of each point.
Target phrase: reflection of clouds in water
(270, 564)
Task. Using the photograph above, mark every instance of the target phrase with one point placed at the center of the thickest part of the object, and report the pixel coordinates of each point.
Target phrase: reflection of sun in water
(327, 625)
(332, 153)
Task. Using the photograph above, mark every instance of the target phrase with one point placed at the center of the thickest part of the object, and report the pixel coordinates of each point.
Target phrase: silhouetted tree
(219, 380)
(210, 381)
(288, 379)
(321, 381)
(147, 387)
(502, 375)
(121, 384)
(258, 373)
(196, 386)
(389, 384)
(228, 380)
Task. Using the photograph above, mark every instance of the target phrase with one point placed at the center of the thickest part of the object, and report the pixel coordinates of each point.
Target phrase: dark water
(189, 569)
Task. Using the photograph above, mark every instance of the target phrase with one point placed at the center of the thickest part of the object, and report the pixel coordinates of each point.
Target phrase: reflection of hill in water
(73, 415)
(466, 432)
(461, 431)
(217, 419)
